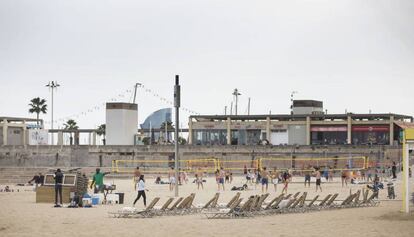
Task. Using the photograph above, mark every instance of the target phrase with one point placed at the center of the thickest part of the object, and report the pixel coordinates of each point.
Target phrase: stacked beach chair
(255, 205)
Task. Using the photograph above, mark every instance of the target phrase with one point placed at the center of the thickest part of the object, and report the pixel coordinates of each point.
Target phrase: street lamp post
(52, 86)
(236, 95)
(177, 122)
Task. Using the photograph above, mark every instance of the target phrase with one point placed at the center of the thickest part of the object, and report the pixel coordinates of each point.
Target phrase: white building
(121, 123)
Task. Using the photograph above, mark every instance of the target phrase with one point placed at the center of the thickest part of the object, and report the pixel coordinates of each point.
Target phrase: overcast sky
(352, 55)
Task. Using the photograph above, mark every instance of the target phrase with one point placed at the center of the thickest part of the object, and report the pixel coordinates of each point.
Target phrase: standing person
(248, 177)
(326, 173)
(265, 179)
(171, 178)
(318, 179)
(394, 170)
(97, 181)
(199, 178)
(141, 191)
(285, 181)
(58, 187)
(307, 176)
(369, 171)
(221, 176)
(275, 178)
(363, 175)
(231, 177)
(245, 170)
(137, 174)
(227, 175)
(344, 177)
(331, 174)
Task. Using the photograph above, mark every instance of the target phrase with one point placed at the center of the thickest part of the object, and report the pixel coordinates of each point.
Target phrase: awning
(404, 125)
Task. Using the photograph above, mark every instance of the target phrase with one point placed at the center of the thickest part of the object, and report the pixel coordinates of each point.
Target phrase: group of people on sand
(264, 177)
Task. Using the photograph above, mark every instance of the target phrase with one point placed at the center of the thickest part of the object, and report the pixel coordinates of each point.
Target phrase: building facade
(307, 125)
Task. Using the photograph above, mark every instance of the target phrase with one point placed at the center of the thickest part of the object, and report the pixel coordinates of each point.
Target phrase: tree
(169, 128)
(102, 132)
(182, 141)
(70, 125)
(38, 106)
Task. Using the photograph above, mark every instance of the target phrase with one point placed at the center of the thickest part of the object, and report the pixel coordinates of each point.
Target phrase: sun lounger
(229, 204)
(133, 213)
(223, 213)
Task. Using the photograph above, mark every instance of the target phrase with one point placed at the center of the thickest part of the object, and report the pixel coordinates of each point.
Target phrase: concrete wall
(93, 156)
(297, 134)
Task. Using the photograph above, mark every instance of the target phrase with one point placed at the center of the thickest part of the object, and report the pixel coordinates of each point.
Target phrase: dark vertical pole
(177, 122)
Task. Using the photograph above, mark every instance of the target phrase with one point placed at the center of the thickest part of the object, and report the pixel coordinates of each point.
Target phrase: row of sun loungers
(253, 206)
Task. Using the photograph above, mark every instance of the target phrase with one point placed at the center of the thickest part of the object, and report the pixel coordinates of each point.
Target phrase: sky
(355, 56)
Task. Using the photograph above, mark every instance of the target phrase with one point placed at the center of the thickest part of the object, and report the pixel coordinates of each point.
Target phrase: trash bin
(121, 198)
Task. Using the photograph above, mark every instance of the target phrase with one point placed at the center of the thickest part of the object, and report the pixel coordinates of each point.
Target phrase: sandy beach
(21, 216)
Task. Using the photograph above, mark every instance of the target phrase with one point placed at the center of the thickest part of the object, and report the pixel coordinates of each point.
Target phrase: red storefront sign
(371, 128)
(328, 129)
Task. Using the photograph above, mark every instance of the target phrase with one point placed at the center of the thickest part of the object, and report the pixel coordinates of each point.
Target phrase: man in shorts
(307, 177)
(318, 179)
(199, 178)
(171, 178)
(265, 179)
(221, 176)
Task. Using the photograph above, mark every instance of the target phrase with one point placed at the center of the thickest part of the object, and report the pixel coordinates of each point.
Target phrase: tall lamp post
(177, 122)
(52, 86)
(236, 96)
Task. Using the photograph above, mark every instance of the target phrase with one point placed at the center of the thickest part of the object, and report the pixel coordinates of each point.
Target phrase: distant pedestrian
(275, 178)
(307, 177)
(318, 179)
(394, 170)
(286, 179)
(265, 179)
(199, 178)
(171, 178)
(58, 176)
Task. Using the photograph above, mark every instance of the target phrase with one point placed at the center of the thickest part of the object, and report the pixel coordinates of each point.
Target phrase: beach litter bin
(121, 198)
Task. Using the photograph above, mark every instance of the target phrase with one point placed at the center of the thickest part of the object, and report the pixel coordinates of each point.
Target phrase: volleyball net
(163, 166)
(238, 165)
(307, 164)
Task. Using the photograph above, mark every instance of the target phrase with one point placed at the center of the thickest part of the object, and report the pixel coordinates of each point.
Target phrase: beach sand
(21, 216)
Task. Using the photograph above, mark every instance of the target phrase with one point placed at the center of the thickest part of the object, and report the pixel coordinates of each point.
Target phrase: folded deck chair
(228, 205)
(296, 195)
(212, 203)
(270, 204)
(311, 204)
(223, 213)
(163, 208)
(134, 213)
(370, 201)
(174, 206)
(347, 201)
(284, 207)
(331, 200)
(303, 199)
(322, 203)
(258, 206)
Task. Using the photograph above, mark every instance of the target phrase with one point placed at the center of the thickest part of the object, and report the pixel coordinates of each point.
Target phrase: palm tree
(169, 128)
(102, 131)
(70, 125)
(38, 106)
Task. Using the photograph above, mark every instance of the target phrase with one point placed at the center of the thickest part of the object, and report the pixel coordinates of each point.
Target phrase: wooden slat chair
(223, 213)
